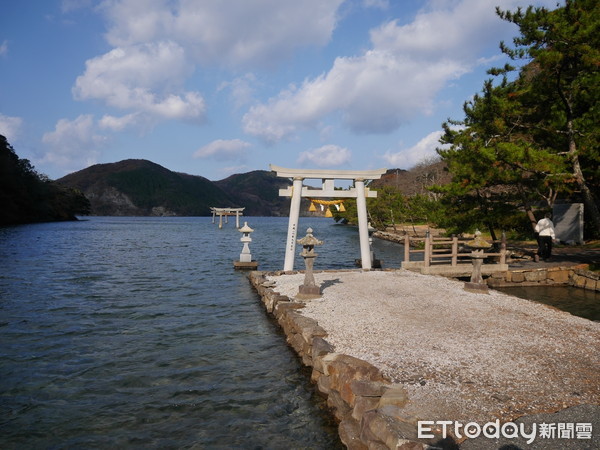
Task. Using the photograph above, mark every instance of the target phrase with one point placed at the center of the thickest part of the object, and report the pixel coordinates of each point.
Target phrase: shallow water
(579, 302)
(137, 332)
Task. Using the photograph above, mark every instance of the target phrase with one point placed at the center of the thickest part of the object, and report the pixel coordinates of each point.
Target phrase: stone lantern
(375, 263)
(478, 244)
(309, 289)
(245, 261)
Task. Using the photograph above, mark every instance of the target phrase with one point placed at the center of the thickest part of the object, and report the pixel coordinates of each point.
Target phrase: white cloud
(142, 78)
(221, 149)
(137, 21)
(381, 4)
(375, 93)
(326, 156)
(73, 143)
(10, 127)
(158, 44)
(4, 48)
(113, 123)
(391, 83)
(241, 89)
(407, 158)
(242, 33)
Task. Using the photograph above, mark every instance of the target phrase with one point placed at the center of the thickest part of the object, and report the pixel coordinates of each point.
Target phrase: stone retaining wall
(366, 404)
(577, 276)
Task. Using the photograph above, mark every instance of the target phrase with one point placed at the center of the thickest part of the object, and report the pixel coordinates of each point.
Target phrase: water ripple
(137, 332)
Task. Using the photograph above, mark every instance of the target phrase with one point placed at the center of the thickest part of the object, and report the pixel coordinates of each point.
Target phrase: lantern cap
(309, 239)
(246, 228)
(479, 242)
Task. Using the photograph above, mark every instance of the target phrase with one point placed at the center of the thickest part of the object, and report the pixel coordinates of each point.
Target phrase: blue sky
(217, 87)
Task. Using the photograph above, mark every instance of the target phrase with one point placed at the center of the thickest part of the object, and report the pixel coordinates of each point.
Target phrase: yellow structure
(339, 205)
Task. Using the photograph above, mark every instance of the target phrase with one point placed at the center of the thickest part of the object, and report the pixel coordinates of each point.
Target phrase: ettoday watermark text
(509, 430)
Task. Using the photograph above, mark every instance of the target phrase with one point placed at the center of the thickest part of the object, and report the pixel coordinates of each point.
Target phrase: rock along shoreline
(391, 348)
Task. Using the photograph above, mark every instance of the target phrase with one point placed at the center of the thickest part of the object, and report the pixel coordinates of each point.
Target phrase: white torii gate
(227, 212)
(297, 191)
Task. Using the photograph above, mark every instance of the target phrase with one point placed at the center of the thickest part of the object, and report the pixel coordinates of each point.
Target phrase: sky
(218, 87)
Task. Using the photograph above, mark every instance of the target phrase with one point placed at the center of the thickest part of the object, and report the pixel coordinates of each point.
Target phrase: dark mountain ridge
(137, 187)
(258, 191)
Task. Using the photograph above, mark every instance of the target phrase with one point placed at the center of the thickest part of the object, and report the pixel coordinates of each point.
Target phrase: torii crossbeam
(297, 191)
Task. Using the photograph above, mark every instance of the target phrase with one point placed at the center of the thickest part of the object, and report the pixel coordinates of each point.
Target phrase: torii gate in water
(297, 191)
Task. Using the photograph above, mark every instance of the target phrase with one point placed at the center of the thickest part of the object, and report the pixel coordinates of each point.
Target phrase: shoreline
(445, 353)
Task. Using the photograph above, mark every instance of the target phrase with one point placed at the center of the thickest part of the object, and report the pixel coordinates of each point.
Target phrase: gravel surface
(461, 355)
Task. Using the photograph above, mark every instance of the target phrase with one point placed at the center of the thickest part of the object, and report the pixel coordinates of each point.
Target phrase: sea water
(138, 333)
(577, 301)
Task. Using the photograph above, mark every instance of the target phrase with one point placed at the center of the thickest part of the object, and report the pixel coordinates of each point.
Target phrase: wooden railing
(438, 250)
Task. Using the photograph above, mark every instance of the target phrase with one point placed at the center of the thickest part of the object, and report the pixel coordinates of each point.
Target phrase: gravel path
(461, 355)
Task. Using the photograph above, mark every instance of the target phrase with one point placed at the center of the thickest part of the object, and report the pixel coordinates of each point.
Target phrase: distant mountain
(258, 191)
(137, 187)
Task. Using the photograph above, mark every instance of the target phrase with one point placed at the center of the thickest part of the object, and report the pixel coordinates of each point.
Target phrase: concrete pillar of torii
(290, 248)
(363, 224)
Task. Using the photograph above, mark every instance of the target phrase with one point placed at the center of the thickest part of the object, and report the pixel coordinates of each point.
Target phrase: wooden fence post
(406, 248)
(454, 250)
(427, 251)
(503, 249)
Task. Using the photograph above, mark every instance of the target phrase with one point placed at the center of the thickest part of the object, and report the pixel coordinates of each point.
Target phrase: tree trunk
(588, 198)
(492, 232)
(530, 216)
(483, 205)
(527, 206)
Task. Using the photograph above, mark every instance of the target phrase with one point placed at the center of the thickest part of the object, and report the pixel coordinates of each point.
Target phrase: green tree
(27, 196)
(523, 141)
(424, 208)
(563, 86)
(389, 207)
(496, 166)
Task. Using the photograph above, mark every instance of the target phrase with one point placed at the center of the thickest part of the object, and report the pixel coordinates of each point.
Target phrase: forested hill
(137, 187)
(29, 197)
(258, 191)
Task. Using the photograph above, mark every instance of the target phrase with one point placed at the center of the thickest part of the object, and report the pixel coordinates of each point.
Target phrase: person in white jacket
(545, 230)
